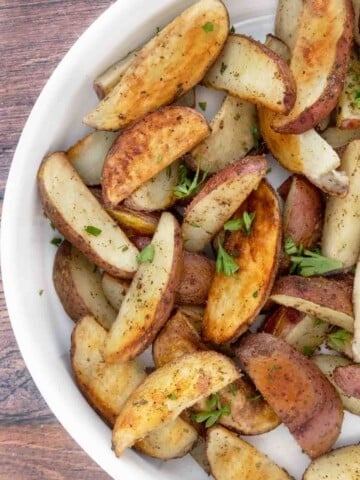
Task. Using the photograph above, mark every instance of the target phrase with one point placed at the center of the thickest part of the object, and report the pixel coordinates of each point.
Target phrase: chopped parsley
(223, 67)
(91, 230)
(308, 351)
(56, 241)
(225, 263)
(214, 412)
(41, 292)
(243, 223)
(338, 338)
(256, 135)
(232, 389)
(232, 29)
(172, 396)
(208, 27)
(147, 254)
(187, 186)
(203, 106)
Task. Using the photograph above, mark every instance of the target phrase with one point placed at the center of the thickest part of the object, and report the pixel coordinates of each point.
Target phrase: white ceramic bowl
(39, 322)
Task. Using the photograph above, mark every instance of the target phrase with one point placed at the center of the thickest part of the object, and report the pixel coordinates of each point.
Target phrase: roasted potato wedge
(329, 299)
(148, 147)
(151, 296)
(341, 233)
(79, 288)
(231, 136)
(340, 464)
(106, 387)
(196, 279)
(287, 20)
(231, 457)
(158, 192)
(169, 65)
(303, 214)
(298, 329)
(79, 217)
(347, 377)
(115, 290)
(308, 405)
(277, 45)
(319, 63)
(133, 221)
(348, 113)
(356, 304)
(236, 71)
(297, 153)
(329, 365)
(168, 391)
(356, 5)
(235, 301)
(219, 199)
(87, 156)
(339, 138)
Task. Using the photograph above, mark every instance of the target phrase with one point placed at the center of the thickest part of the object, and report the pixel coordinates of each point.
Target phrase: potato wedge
(326, 298)
(115, 290)
(235, 301)
(135, 222)
(287, 21)
(277, 45)
(339, 138)
(196, 279)
(347, 377)
(78, 285)
(88, 155)
(356, 5)
(219, 199)
(231, 136)
(107, 387)
(151, 296)
(319, 63)
(148, 147)
(158, 192)
(168, 391)
(236, 71)
(169, 65)
(341, 233)
(308, 405)
(303, 213)
(356, 304)
(231, 457)
(298, 329)
(297, 154)
(79, 217)
(329, 364)
(340, 464)
(348, 114)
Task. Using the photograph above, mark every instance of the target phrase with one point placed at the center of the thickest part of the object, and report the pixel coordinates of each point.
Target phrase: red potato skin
(314, 114)
(348, 379)
(295, 388)
(196, 280)
(332, 292)
(282, 321)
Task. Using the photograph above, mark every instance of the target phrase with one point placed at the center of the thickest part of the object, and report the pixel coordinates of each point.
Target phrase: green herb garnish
(187, 186)
(338, 339)
(232, 29)
(225, 263)
(318, 322)
(91, 230)
(291, 248)
(243, 223)
(41, 292)
(56, 241)
(256, 136)
(208, 27)
(203, 106)
(232, 389)
(172, 396)
(308, 351)
(223, 67)
(214, 412)
(147, 254)
(313, 263)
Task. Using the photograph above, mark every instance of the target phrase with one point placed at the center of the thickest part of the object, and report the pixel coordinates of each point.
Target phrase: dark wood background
(34, 36)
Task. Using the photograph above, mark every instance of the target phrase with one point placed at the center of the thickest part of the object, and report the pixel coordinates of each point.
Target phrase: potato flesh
(168, 391)
(151, 296)
(219, 199)
(231, 136)
(348, 107)
(169, 65)
(338, 138)
(341, 232)
(148, 147)
(340, 464)
(235, 301)
(230, 458)
(287, 20)
(244, 58)
(278, 46)
(71, 207)
(115, 290)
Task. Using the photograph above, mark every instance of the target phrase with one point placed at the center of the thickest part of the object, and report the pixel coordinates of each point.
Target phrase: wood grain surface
(34, 36)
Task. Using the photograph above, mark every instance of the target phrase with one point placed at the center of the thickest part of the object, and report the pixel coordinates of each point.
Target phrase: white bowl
(39, 322)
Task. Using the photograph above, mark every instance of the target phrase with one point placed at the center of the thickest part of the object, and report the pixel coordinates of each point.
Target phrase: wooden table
(34, 36)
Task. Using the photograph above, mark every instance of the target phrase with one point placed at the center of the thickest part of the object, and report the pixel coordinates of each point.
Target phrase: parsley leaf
(208, 27)
(187, 187)
(248, 220)
(313, 263)
(203, 106)
(91, 230)
(256, 136)
(338, 338)
(243, 223)
(291, 248)
(232, 389)
(225, 263)
(214, 412)
(232, 29)
(308, 351)
(56, 241)
(223, 67)
(147, 254)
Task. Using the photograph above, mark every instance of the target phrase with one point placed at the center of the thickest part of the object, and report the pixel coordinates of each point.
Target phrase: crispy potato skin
(308, 404)
(196, 279)
(234, 302)
(348, 379)
(148, 304)
(164, 135)
(303, 214)
(325, 31)
(169, 65)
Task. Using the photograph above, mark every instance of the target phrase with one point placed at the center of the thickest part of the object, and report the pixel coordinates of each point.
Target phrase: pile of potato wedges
(173, 239)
